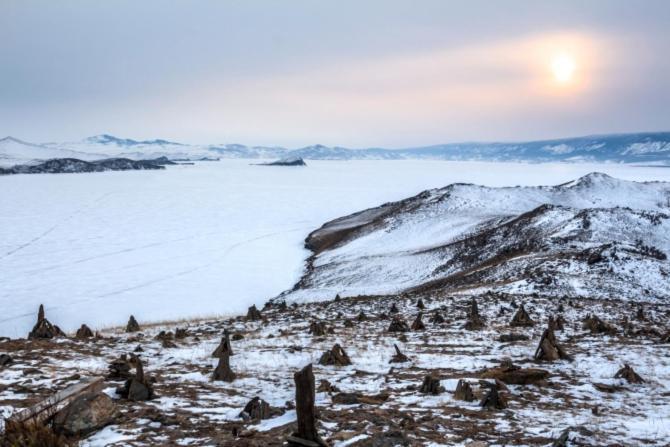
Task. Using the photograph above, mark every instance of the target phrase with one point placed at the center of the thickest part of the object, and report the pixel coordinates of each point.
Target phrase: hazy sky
(352, 73)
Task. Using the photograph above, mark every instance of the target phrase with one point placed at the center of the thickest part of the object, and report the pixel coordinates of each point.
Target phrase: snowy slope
(14, 151)
(596, 236)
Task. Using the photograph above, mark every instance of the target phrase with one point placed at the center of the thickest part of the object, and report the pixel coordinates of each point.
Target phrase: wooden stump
(223, 371)
(361, 316)
(307, 434)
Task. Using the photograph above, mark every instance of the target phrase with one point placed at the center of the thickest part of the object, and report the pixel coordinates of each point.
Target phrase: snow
(202, 240)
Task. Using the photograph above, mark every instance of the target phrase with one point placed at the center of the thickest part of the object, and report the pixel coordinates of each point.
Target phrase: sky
(371, 73)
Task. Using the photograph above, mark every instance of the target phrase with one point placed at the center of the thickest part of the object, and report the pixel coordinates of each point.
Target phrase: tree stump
(307, 434)
(84, 332)
(224, 345)
(464, 391)
(223, 371)
(335, 357)
(548, 349)
(43, 329)
(521, 318)
(253, 314)
(133, 325)
(431, 385)
(418, 325)
(628, 373)
(398, 325)
(398, 357)
(256, 409)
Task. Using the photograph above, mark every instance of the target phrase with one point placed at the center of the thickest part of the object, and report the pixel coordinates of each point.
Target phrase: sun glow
(563, 67)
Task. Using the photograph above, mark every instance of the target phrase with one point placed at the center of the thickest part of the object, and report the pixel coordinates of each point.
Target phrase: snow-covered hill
(647, 148)
(596, 236)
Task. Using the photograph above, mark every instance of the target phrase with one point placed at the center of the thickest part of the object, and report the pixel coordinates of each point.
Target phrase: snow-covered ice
(207, 239)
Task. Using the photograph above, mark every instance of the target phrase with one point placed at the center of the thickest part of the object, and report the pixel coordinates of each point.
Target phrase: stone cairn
(253, 314)
(464, 391)
(43, 329)
(307, 435)
(548, 349)
(420, 305)
(137, 388)
(418, 325)
(318, 328)
(84, 332)
(224, 345)
(119, 369)
(398, 325)
(222, 371)
(256, 409)
(133, 325)
(475, 321)
(521, 318)
(335, 357)
(493, 400)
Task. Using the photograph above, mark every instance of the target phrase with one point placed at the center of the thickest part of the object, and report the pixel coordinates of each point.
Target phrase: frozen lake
(200, 240)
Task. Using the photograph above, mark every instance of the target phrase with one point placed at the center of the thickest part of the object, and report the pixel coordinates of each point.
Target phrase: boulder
(89, 412)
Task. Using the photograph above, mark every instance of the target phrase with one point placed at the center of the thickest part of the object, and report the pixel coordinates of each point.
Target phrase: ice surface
(207, 239)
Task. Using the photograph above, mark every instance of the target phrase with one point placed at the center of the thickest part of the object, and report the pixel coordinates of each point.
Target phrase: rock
(521, 318)
(238, 337)
(180, 333)
(464, 391)
(336, 356)
(348, 323)
(84, 332)
(398, 357)
(398, 325)
(393, 309)
(87, 413)
(5, 360)
(626, 372)
(418, 325)
(420, 305)
(326, 387)
(361, 316)
(391, 438)
(253, 314)
(558, 323)
(562, 440)
(256, 409)
(43, 329)
(133, 325)
(436, 317)
(431, 385)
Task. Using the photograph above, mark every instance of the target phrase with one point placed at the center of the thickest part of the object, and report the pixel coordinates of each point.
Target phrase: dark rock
(393, 309)
(521, 318)
(431, 385)
(256, 409)
(508, 338)
(418, 325)
(398, 357)
(43, 329)
(628, 373)
(437, 318)
(5, 360)
(493, 400)
(87, 413)
(137, 388)
(84, 332)
(253, 314)
(420, 305)
(326, 387)
(318, 328)
(597, 326)
(514, 375)
(398, 325)
(119, 369)
(549, 349)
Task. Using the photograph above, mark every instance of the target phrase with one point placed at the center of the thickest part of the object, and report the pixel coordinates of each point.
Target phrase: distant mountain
(645, 148)
(73, 165)
(597, 236)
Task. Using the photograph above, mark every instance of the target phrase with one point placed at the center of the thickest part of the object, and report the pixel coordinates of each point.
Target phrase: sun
(563, 67)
